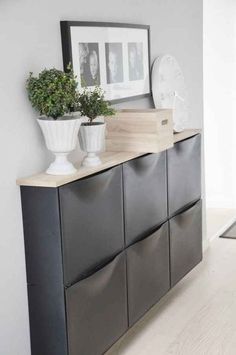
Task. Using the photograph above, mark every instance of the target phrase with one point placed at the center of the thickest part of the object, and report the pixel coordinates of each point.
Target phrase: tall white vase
(60, 138)
(92, 141)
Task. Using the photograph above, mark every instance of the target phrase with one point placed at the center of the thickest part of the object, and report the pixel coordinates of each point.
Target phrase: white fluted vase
(61, 138)
(92, 141)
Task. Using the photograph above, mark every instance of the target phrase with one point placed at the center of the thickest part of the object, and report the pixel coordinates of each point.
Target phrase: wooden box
(142, 131)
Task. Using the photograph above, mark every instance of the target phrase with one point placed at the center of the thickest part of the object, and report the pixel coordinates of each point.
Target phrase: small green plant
(92, 104)
(53, 93)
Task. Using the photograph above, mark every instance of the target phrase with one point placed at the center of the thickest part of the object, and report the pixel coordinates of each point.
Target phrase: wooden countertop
(109, 159)
(187, 133)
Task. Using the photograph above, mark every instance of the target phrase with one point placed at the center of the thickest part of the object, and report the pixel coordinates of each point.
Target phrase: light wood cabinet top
(109, 159)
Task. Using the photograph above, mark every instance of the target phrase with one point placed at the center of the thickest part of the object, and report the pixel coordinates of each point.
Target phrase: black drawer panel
(185, 241)
(97, 309)
(92, 223)
(145, 195)
(184, 173)
(147, 272)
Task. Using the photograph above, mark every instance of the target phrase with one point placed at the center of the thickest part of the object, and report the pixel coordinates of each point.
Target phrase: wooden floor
(197, 317)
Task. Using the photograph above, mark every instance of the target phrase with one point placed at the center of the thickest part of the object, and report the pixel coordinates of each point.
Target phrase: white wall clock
(169, 89)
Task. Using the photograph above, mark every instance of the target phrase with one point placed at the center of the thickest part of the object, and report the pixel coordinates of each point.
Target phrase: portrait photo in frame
(114, 56)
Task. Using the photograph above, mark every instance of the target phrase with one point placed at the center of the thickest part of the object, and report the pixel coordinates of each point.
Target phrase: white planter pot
(92, 141)
(61, 138)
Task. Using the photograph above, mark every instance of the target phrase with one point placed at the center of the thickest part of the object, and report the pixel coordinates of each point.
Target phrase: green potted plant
(53, 93)
(92, 105)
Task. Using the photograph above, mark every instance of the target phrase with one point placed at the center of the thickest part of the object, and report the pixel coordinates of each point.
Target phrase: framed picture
(111, 55)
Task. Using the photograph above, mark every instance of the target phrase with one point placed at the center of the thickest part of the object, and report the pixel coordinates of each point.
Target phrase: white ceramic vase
(92, 141)
(61, 137)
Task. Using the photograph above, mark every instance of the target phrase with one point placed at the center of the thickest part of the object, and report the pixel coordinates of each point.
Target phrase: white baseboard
(220, 231)
(205, 245)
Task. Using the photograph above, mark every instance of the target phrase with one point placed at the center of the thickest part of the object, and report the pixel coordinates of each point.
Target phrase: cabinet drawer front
(185, 242)
(145, 195)
(92, 223)
(97, 310)
(184, 173)
(147, 272)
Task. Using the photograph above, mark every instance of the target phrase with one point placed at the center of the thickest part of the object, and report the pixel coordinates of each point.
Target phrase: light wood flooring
(197, 317)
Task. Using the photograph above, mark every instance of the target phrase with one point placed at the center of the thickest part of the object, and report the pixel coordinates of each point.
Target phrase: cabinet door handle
(164, 122)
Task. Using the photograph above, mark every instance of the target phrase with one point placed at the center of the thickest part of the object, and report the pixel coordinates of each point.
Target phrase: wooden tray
(141, 131)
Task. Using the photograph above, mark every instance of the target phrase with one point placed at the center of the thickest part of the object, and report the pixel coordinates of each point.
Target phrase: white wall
(29, 41)
(220, 102)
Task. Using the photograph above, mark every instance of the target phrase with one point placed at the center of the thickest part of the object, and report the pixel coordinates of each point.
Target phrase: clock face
(169, 90)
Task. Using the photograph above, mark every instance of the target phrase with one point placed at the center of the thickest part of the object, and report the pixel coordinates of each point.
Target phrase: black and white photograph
(114, 56)
(114, 62)
(135, 54)
(89, 64)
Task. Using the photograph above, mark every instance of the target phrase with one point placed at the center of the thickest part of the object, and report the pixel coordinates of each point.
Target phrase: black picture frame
(67, 52)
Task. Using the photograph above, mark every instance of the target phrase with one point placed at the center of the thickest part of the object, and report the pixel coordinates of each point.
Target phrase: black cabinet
(147, 272)
(102, 250)
(91, 222)
(48, 333)
(184, 173)
(185, 241)
(97, 309)
(41, 220)
(145, 195)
